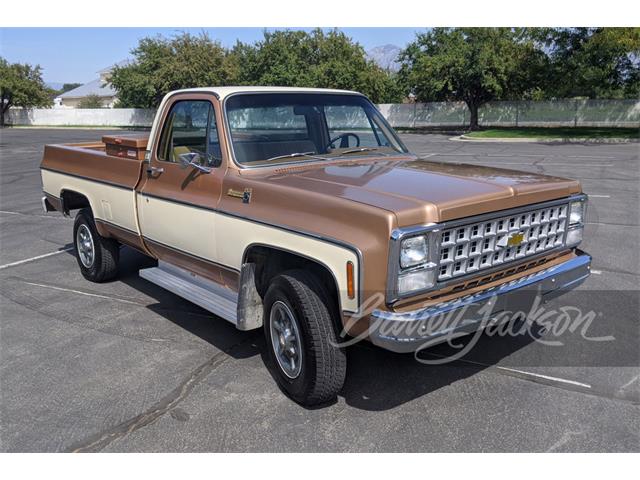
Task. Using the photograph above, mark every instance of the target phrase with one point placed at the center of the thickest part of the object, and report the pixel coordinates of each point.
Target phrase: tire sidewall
(297, 387)
(91, 273)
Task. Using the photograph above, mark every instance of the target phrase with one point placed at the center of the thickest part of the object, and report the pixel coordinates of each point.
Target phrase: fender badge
(245, 194)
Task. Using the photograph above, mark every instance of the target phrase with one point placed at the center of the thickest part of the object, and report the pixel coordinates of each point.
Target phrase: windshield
(294, 127)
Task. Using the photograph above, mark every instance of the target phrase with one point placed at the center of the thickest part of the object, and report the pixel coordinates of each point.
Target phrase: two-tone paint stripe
(284, 228)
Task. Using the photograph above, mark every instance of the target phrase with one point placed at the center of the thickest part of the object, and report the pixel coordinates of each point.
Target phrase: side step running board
(204, 293)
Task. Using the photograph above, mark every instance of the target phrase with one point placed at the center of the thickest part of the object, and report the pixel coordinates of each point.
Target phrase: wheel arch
(286, 259)
(72, 199)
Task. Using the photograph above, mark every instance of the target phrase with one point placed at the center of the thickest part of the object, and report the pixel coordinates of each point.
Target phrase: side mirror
(192, 159)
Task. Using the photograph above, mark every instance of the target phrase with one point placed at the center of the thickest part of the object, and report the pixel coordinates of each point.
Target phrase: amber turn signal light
(351, 290)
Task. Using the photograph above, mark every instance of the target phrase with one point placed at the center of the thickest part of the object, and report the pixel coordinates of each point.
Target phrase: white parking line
(599, 196)
(624, 387)
(612, 224)
(71, 290)
(441, 154)
(597, 272)
(13, 213)
(520, 373)
(30, 214)
(140, 303)
(33, 259)
(545, 377)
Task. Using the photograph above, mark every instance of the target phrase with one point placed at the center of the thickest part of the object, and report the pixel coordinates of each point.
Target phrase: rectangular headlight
(576, 213)
(413, 251)
(574, 236)
(416, 280)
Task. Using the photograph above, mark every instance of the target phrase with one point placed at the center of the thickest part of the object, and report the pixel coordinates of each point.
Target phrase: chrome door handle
(154, 170)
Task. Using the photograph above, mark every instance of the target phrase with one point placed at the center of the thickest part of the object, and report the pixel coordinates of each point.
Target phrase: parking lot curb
(465, 138)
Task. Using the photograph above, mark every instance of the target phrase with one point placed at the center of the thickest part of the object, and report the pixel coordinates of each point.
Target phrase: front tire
(301, 339)
(97, 256)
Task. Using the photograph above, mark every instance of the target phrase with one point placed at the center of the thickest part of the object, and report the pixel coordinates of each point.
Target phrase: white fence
(556, 113)
(85, 117)
(553, 113)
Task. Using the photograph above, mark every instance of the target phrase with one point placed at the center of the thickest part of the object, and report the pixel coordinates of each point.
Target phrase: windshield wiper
(358, 150)
(296, 155)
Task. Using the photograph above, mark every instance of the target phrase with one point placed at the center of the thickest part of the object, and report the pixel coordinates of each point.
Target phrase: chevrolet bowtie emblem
(512, 240)
(515, 239)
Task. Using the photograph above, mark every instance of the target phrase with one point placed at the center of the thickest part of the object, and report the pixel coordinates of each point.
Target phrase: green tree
(67, 87)
(591, 62)
(474, 65)
(91, 101)
(164, 64)
(21, 85)
(316, 59)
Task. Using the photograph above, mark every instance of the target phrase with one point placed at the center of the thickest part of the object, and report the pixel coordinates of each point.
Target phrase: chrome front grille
(474, 247)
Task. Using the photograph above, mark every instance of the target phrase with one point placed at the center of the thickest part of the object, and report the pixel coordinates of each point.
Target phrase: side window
(190, 127)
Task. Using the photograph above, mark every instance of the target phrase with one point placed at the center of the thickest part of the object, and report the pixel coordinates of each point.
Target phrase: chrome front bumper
(408, 331)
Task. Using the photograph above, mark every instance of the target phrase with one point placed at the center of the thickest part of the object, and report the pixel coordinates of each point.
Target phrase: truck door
(176, 202)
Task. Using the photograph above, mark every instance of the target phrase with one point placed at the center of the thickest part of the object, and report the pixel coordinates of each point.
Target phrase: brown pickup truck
(301, 211)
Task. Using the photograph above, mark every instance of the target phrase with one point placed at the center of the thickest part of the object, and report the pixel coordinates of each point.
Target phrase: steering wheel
(344, 140)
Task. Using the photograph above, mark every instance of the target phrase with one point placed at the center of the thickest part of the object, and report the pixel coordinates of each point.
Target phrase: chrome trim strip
(399, 234)
(333, 241)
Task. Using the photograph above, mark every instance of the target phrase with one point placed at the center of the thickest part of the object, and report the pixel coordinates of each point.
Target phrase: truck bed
(99, 161)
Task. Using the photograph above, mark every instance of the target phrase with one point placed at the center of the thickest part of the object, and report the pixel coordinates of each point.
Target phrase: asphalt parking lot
(126, 366)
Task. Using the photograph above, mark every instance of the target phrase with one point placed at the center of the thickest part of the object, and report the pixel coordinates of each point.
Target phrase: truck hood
(421, 191)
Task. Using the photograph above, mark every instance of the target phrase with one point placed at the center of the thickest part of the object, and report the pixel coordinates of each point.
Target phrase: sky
(69, 55)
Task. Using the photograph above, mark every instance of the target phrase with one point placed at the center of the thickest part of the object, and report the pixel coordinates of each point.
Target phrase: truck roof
(222, 92)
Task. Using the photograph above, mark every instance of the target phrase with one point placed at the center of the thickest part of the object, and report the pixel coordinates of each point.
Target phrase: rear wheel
(97, 256)
(301, 339)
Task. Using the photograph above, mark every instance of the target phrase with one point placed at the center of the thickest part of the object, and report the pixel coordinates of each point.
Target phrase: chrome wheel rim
(84, 245)
(285, 339)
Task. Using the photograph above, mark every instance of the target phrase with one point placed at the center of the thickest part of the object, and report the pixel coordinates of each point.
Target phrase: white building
(100, 87)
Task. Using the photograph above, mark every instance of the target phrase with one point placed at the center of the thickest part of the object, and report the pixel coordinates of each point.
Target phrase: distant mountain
(61, 87)
(386, 56)
(54, 85)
